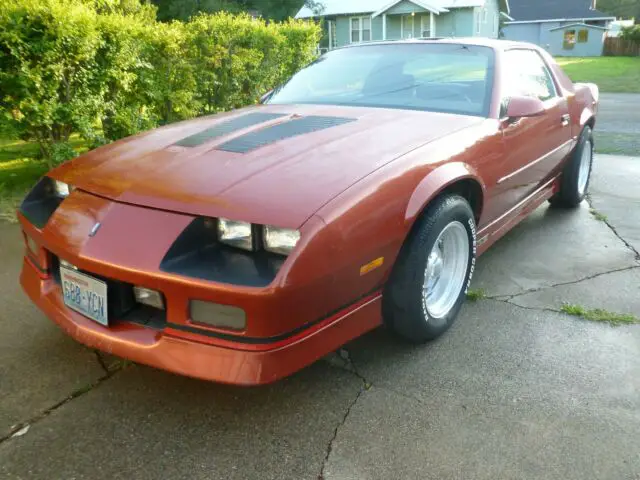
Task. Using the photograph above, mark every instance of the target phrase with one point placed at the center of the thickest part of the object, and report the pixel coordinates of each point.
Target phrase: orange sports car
(244, 246)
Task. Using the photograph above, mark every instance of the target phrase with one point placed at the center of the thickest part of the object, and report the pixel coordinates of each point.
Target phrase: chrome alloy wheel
(585, 167)
(446, 270)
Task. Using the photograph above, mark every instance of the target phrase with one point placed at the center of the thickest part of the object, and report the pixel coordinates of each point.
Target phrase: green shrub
(48, 85)
(301, 40)
(238, 58)
(61, 152)
(234, 59)
(106, 69)
(171, 83)
(631, 33)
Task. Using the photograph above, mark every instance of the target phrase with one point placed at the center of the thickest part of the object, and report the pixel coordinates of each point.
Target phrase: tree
(269, 9)
(620, 8)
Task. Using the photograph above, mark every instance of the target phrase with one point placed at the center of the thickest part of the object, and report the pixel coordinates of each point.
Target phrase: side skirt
(490, 234)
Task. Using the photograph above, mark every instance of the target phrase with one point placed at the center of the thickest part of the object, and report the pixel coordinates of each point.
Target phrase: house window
(583, 36)
(360, 29)
(569, 40)
(425, 26)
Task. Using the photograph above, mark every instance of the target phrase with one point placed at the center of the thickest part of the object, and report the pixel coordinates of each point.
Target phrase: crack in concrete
(101, 362)
(613, 229)
(76, 394)
(562, 284)
(350, 367)
(539, 309)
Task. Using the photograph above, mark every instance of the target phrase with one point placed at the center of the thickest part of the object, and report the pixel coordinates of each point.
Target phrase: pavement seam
(539, 309)
(562, 284)
(101, 362)
(613, 229)
(45, 413)
(350, 367)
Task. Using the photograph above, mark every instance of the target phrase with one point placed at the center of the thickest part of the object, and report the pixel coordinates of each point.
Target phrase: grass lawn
(612, 74)
(19, 171)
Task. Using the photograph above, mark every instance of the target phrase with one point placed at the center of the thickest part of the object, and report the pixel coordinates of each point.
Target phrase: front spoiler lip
(187, 356)
(278, 338)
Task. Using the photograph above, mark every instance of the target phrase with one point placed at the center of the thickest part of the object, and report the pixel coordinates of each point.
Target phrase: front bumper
(187, 354)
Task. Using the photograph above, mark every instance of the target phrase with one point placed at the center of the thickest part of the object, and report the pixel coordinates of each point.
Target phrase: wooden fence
(619, 47)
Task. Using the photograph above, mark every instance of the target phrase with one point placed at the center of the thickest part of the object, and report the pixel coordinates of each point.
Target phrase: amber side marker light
(377, 263)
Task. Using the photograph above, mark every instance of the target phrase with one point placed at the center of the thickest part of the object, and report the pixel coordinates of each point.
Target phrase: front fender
(588, 97)
(437, 181)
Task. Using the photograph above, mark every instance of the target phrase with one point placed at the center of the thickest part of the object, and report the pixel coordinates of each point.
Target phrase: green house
(356, 21)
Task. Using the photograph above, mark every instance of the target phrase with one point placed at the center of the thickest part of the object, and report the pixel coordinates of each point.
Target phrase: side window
(569, 40)
(583, 36)
(526, 74)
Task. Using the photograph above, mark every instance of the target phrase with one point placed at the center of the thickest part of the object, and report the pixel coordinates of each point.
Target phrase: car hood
(273, 164)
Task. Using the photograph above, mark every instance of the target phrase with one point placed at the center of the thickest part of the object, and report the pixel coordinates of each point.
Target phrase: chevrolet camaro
(243, 246)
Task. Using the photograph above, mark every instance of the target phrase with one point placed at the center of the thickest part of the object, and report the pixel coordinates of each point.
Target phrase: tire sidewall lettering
(474, 252)
(474, 248)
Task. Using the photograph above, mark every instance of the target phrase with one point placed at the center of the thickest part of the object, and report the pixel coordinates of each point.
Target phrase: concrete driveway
(516, 389)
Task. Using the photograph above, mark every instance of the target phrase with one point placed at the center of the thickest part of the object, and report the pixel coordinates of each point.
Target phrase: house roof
(548, 10)
(431, 7)
(346, 7)
(578, 24)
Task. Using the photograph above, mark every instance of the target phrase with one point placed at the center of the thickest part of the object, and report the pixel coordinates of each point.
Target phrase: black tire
(569, 195)
(404, 307)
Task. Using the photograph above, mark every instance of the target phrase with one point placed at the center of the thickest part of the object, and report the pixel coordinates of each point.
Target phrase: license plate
(85, 295)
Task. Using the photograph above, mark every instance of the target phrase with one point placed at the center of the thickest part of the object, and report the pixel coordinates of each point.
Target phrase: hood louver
(281, 131)
(230, 126)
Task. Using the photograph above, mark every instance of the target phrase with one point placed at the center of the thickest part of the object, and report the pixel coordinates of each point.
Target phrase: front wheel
(429, 282)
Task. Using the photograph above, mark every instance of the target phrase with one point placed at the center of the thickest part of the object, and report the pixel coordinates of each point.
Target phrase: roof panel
(533, 10)
(346, 7)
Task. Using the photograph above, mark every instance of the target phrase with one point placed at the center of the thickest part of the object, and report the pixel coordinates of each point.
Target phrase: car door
(534, 147)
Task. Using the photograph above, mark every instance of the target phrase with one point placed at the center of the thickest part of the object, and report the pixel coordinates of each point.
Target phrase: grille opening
(121, 304)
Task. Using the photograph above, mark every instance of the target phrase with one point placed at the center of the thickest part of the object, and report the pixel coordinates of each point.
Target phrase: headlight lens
(280, 240)
(62, 189)
(236, 234)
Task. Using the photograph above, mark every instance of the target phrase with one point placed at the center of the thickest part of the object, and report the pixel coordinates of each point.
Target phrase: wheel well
(471, 191)
(591, 123)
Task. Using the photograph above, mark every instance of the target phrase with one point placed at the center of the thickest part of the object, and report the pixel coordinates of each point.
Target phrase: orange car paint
(353, 191)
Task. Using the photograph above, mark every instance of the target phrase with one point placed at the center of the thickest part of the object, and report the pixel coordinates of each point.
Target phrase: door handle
(566, 118)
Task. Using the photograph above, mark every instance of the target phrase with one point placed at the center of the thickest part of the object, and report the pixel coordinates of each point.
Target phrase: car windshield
(439, 77)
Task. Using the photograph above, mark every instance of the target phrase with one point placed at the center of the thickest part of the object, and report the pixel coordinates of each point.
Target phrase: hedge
(631, 33)
(68, 66)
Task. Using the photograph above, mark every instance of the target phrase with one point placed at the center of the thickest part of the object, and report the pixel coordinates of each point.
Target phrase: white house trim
(561, 20)
(507, 16)
(582, 25)
(419, 3)
(384, 26)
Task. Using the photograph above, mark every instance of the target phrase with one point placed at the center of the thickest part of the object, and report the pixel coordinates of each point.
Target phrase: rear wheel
(577, 173)
(429, 281)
